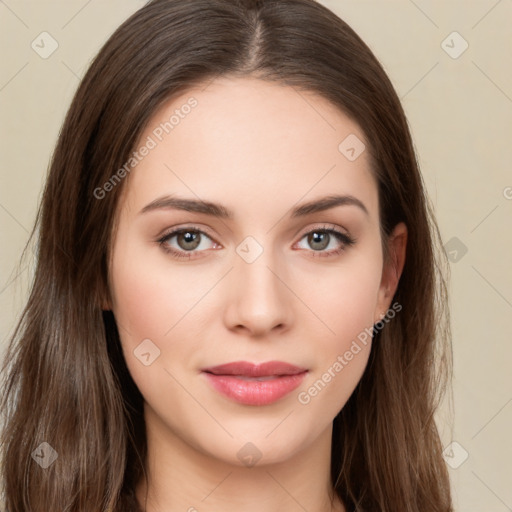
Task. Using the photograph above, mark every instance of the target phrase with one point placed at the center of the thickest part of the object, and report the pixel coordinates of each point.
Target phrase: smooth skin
(259, 149)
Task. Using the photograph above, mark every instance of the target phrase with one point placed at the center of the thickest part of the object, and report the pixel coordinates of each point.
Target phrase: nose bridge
(260, 301)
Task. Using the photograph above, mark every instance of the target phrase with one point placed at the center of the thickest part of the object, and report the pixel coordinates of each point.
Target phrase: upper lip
(247, 369)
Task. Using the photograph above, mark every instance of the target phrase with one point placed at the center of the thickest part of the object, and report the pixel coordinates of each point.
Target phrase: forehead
(249, 143)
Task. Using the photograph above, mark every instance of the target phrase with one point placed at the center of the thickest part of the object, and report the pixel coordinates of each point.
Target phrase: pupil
(191, 240)
(319, 238)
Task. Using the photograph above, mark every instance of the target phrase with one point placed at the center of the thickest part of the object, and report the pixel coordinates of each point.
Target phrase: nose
(259, 301)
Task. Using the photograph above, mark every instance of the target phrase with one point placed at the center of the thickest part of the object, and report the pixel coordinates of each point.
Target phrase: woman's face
(254, 279)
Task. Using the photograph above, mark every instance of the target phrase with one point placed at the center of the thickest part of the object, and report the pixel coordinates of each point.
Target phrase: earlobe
(392, 269)
(398, 245)
(105, 302)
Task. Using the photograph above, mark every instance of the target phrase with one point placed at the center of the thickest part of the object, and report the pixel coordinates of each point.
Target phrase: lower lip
(255, 392)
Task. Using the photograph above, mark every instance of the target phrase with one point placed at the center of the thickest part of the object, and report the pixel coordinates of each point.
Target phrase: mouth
(255, 384)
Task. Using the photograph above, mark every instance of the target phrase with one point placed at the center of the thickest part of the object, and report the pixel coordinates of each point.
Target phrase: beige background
(460, 112)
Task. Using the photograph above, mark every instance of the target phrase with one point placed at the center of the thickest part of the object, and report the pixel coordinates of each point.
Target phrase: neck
(183, 478)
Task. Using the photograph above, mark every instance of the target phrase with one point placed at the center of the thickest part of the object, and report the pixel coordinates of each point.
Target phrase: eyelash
(345, 239)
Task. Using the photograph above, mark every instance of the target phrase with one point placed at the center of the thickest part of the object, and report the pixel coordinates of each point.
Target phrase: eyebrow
(220, 211)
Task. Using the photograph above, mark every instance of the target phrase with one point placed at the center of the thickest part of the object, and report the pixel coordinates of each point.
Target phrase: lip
(255, 384)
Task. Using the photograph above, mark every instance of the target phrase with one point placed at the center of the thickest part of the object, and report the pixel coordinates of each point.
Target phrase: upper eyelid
(174, 231)
(325, 226)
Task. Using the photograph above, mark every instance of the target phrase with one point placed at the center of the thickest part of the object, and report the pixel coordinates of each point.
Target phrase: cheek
(343, 298)
(345, 302)
(141, 300)
(158, 300)
(151, 301)
(150, 295)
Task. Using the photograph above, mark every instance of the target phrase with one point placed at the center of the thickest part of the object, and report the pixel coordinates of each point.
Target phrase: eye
(185, 243)
(187, 240)
(326, 237)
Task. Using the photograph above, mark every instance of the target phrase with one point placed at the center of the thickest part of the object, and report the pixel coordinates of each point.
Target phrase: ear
(392, 270)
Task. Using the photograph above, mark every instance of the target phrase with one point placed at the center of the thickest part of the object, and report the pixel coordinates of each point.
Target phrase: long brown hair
(65, 379)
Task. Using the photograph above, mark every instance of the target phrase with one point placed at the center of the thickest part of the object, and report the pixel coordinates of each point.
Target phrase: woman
(237, 302)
